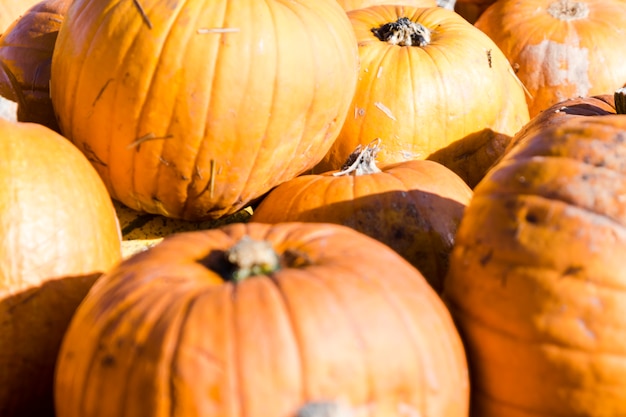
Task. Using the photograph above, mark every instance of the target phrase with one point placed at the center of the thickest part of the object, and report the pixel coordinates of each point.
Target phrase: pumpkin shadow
(472, 156)
(418, 225)
(32, 325)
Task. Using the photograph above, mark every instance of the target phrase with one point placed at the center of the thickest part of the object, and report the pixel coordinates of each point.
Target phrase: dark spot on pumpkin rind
(486, 258)
(531, 218)
(108, 361)
(573, 270)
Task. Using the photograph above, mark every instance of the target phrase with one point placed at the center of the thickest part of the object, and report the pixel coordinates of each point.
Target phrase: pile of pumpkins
(313, 208)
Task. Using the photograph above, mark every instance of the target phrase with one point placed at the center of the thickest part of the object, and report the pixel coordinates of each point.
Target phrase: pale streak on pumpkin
(536, 39)
(563, 64)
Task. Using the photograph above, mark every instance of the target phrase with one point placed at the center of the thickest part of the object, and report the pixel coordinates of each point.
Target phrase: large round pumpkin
(193, 109)
(560, 49)
(414, 207)
(261, 320)
(25, 55)
(431, 86)
(58, 232)
(537, 276)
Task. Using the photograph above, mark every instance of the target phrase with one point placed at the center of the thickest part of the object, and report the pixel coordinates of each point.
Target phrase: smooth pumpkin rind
(58, 233)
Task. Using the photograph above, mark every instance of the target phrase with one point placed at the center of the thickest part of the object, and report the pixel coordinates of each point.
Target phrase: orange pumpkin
(472, 9)
(361, 4)
(444, 92)
(25, 56)
(413, 206)
(536, 279)
(262, 320)
(193, 109)
(560, 49)
(13, 9)
(600, 105)
(58, 232)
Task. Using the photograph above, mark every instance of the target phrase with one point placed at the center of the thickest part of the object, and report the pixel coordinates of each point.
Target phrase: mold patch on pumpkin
(567, 10)
(563, 65)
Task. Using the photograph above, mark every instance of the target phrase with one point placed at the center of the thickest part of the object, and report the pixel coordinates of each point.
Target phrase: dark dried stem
(403, 32)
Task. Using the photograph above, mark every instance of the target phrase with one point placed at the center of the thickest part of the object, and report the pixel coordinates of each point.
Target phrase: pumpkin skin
(201, 107)
(561, 112)
(455, 100)
(361, 4)
(414, 207)
(167, 334)
(11, 10)
(560, 49)
(58, 232)
(472, 9)
(537, 275)
(25, 55)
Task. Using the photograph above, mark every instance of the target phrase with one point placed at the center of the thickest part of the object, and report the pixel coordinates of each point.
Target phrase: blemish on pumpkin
(143, 14)
(164, 161)
(585, 328)
(573, 270)
(563, 65)
(486, 258)
(380, 106)
(531, 218)
(217, 30)
(108, 361)
(489, 59)
(293, 258)
(91, 155)
(567, 10)
(198, 173)
(325, 409)
(210, 185)
(212, 179)
(99, 95)
(148, 136)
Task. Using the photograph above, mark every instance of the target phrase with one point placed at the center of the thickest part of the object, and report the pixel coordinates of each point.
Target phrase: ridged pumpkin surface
(452, 97)
(343, 320)
(413, 206)
(10, 10)
(537, 278)
(560, 49)
(26, 49)
(58, 232)
(192, 109)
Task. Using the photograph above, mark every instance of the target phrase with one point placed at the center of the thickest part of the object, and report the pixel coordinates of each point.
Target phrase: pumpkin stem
(620, 100)
(361, 161)
(403, 32)
(568, 10)
(249, 257)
